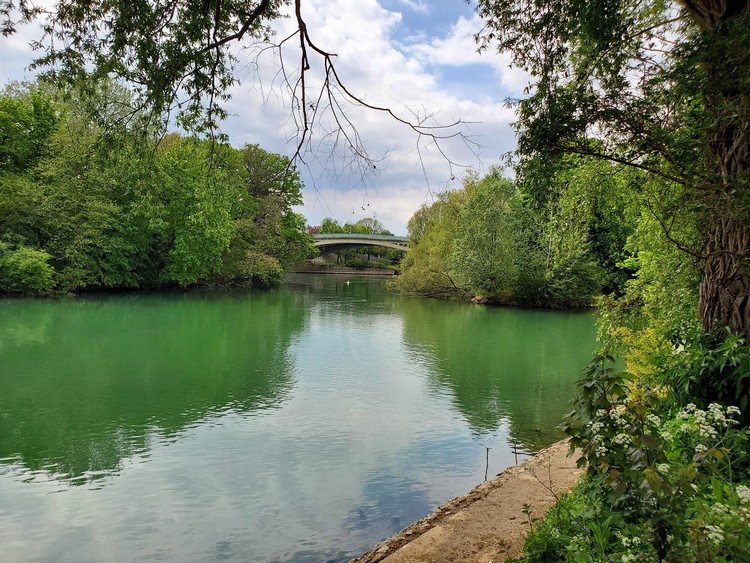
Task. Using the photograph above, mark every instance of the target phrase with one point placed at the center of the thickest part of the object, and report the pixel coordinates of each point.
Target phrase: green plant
(623, 450)
(661, 476)
(25, 270)
(711, 367)
(527, 510)
(502, 546)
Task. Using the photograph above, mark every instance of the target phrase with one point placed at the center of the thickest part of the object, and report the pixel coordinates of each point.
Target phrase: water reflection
(502, 364)
(304, 424)
(90, 381)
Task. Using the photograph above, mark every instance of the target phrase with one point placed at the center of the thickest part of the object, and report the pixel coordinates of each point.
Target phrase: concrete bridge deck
(328, 243)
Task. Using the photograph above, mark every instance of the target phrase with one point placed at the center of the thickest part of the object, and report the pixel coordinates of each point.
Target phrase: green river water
(301, 424)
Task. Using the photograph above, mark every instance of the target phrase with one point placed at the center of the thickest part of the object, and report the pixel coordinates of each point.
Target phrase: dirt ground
(472, 527)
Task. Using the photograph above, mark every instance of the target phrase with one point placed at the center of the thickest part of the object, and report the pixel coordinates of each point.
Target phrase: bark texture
(725, 287)
(724, 297)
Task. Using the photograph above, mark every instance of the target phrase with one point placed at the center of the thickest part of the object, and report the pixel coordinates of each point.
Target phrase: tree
(486, 247)
(24, 269)
(272, 174)
(660, 87)
(26, 122)
(330, 226)
(373, 226)
(178, 57)
(427, 266)
(268, 236)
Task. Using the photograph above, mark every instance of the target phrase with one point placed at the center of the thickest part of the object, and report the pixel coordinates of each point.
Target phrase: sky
(416, 57)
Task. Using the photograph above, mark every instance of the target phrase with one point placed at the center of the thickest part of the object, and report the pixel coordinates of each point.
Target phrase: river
(300, 424)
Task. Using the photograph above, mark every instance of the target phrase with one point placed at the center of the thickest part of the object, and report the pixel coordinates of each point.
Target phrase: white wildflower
(622, 439)
(720, 508)
(708, 432)
(653, 419)
(743, 493)
(715, 534)
(663, 468)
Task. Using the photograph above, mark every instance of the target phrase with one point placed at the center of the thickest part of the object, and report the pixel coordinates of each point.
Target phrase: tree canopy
(509, 242)
(84, 205)
(179, 57)
(661, 87)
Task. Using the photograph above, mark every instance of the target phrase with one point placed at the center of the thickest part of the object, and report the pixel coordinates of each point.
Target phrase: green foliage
(26, 122)
(330, 226)
(272, 174)
(193, 214)
(25, 270)
(528, 243)
(661, 484)
(486, 254)
(641, 323)
(665, 88)
(262, 269)
(166, 50)
(712, 367)
(112, 208)
(571, 274)
(426, 269)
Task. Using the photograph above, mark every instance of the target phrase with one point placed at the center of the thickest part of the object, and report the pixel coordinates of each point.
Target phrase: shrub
(25, 270)
(663, 483)
(711, 367)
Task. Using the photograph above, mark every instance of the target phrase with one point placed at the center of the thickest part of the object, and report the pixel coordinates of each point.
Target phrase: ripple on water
(302, 424)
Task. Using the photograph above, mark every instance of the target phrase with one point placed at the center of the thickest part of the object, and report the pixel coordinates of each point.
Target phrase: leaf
(653, 479)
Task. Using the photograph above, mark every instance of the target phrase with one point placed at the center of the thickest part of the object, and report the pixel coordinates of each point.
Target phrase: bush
(711, 367)
(359, 263)
(262, 269)
(25, 270)
(663, 482)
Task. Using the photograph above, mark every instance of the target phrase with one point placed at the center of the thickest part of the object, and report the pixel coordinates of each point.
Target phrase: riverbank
(490, 523)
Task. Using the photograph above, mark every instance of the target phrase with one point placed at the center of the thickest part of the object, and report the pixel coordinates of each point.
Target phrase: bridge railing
(360, 236)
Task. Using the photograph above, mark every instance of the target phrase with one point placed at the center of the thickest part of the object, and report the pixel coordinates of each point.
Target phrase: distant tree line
(92, 198)
(555, 237)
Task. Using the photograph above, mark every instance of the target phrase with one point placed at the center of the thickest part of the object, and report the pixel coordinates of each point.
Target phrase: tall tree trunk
(724, 296)
(725, 287)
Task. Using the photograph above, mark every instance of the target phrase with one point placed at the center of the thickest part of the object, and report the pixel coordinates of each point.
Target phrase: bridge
(344, 241)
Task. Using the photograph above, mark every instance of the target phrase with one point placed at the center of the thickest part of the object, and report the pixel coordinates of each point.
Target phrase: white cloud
(376, 67)
(417, 5)
(459, 48)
